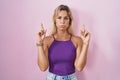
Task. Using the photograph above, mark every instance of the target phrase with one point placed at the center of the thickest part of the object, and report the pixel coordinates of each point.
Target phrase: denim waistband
(52, 76)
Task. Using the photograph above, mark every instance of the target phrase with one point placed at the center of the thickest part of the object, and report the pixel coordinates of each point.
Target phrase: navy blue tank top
(62, 55)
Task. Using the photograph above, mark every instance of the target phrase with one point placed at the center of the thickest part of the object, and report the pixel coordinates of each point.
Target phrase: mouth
(62, 25)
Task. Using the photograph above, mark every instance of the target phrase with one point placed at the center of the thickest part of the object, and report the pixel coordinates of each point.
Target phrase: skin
(81, 42)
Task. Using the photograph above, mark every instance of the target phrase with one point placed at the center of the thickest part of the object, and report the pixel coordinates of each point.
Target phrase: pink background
(20, 22)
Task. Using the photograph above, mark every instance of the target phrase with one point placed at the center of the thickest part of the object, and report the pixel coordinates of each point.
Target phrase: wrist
(40, 43)
(86, 43)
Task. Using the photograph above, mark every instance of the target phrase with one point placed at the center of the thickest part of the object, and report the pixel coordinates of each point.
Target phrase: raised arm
(82, 48)
(42, 49)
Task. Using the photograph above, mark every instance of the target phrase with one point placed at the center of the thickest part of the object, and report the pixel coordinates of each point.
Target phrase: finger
(42, 28)
(41, 31)
(45, 32)
(39, 34)
(82, 32)
(83, 25)
(86, 33)
(84, 28)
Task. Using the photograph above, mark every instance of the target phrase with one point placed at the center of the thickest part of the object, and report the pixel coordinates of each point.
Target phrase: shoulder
(77, 38)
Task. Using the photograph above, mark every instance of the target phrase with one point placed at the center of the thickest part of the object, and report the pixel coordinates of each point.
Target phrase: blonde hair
(57, 10)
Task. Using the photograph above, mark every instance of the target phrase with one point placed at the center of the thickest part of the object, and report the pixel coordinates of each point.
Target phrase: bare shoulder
(77, 39)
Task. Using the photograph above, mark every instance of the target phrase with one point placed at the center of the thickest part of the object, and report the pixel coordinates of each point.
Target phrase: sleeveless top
(61, 57)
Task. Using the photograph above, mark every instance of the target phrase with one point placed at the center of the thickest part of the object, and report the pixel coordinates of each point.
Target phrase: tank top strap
(53, 36)
(70, 36)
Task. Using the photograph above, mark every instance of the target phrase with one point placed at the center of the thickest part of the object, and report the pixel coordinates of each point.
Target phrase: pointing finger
(45, 31)
(86, 33)
(42, 28)
(84, 28)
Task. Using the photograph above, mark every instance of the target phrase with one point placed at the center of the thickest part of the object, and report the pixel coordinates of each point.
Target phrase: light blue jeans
(52, 76)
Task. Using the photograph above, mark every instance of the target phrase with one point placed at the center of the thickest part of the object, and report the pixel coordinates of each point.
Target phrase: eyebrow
(64, 16)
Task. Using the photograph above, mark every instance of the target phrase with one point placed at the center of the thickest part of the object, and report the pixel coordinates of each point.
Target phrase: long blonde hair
(57, 10)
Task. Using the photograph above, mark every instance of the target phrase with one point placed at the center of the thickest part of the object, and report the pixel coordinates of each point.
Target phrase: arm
(43, 56)
(81, 58)
(42, 45)
(82, 48)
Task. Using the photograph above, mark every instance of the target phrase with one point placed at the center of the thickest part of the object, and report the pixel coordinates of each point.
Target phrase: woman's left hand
(85, 35)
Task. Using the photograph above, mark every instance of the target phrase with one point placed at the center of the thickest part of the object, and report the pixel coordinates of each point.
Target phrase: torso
(66, 53)
(61, 55)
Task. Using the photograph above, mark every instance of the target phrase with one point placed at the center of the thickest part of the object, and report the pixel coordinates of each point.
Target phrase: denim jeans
(52, 76)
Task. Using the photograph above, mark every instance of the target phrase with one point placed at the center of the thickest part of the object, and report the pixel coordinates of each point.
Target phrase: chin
(62, 29)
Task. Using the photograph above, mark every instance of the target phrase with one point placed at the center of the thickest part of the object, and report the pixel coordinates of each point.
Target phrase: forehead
(62, 13)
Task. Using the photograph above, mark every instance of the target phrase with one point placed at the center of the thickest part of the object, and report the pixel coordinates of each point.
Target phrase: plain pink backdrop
(20, 21)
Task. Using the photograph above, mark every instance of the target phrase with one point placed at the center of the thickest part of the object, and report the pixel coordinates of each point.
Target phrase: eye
(59, 17)
(66, 18)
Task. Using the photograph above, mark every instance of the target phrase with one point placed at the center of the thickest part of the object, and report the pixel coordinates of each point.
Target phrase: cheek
(68, 22)
(57, 21)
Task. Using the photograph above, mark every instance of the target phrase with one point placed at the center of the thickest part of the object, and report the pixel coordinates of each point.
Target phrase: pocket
(73, 78)
(49, 78)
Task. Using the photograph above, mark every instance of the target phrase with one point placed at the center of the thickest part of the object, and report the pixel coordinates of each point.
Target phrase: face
(62, 20)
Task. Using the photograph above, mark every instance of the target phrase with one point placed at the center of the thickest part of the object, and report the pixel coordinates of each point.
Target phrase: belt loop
(68, 77)
(55, 77)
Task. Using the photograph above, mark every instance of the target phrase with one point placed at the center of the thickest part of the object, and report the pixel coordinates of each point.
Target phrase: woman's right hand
(41, 34)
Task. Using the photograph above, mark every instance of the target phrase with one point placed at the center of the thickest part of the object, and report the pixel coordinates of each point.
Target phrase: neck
(62, 33)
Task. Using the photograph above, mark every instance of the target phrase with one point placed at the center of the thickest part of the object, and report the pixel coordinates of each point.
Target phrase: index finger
(42, 28)
(83, 28)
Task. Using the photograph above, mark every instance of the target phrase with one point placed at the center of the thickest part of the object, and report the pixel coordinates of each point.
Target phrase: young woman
(62, 52)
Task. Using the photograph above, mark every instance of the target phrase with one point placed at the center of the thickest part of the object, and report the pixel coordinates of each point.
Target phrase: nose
(62, 21)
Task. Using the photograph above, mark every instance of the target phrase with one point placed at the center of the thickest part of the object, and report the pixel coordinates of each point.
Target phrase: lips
(62, 25)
